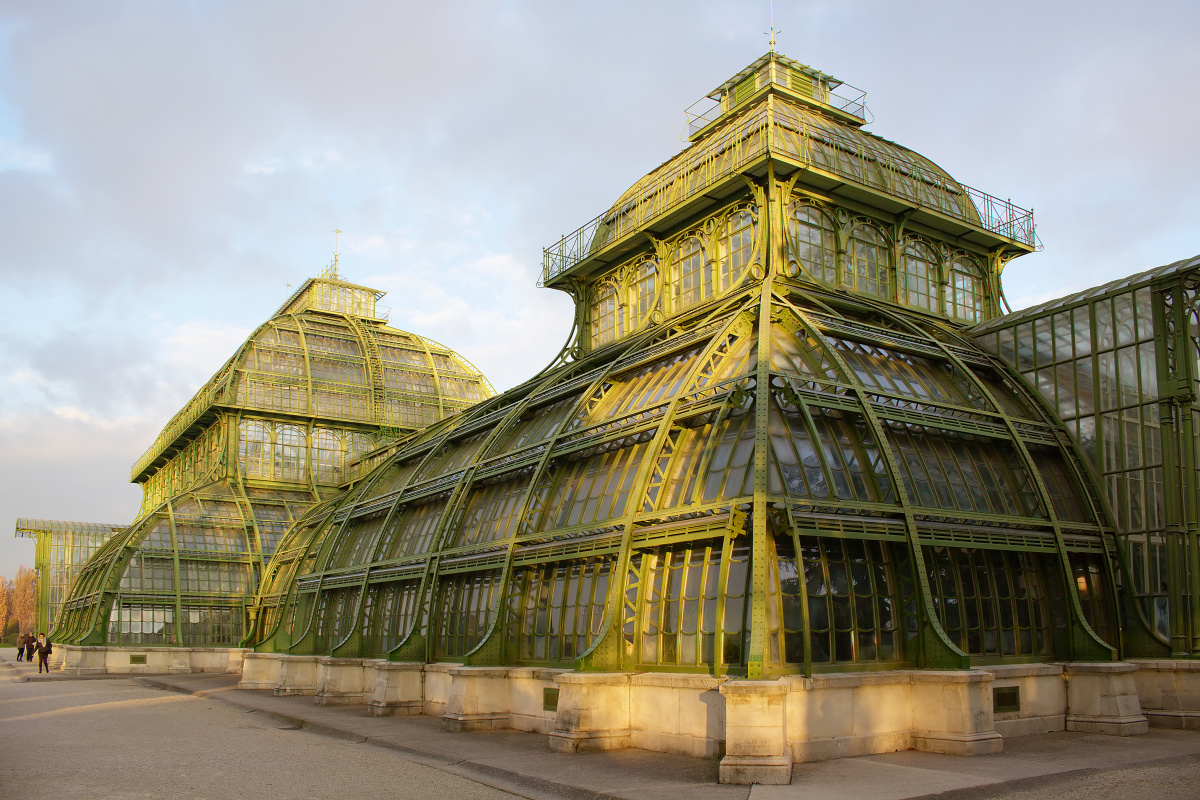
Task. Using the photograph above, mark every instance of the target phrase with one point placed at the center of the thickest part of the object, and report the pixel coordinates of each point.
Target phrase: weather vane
(771, 40)
(333, 270)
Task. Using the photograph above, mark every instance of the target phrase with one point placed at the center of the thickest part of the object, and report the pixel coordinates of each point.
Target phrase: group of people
(27, 646)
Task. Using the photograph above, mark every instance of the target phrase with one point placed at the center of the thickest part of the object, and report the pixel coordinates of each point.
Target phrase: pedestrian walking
(21, 647)
(43, 652)
(30, 646)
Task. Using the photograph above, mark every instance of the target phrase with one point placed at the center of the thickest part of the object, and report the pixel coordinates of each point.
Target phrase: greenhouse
(795, 487)
(771, 446)
(266, 438)
(61, 550)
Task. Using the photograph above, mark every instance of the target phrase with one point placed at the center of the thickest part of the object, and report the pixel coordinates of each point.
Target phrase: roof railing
(199, 403)
(721, 156)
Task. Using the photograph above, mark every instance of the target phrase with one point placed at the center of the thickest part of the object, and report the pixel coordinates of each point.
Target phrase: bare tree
(5, 592)
(24, 599)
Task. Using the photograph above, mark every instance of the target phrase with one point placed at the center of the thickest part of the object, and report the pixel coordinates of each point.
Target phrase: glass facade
(773, 448)
(793, 434)
(1118, 365)
(287, 420)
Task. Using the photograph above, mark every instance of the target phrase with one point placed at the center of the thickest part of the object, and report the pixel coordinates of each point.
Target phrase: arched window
(254, 447)
(737, 248)
(919, 275)
(645, 291)
(964, 292)
(814, 242)
(606, 316)
(291, 453)
(867, 261)
(692, 272)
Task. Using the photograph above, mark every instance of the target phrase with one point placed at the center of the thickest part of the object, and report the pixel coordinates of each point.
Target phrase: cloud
(167, 170)
(24, 158)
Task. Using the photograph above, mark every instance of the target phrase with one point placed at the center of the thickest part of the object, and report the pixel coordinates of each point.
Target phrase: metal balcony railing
(857, 158)
(189, 414)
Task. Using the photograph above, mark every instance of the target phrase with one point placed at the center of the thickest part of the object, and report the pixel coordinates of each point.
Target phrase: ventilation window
(1006, 699)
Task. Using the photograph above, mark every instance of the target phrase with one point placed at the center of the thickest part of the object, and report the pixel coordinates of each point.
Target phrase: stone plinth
(672, 713)
(1043, 698)
(79, 661)
(260, 670)
(478, 700)
(527, 709)
(593, 712)
(1103, 698)
(952, 712)
(399, 689)
(340, 681)
(236, 654)
(840, 715)
(437, 689)
(1169, 692)
(756, 745)
(297, 676)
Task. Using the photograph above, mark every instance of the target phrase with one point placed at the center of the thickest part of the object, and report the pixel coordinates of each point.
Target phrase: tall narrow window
(919, 276)
(964, 292)
(737, 248)
(693, 273)
(814, 243)
(291, 453)
(254, 442)
(645, 291)
(606, 316)
(867, 261)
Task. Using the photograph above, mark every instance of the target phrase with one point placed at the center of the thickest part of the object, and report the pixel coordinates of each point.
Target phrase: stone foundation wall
(75, 660)
(758, 728)
(1169, 691)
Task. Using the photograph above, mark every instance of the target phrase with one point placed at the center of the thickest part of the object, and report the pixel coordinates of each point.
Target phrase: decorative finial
(771, 40)
(332, 271)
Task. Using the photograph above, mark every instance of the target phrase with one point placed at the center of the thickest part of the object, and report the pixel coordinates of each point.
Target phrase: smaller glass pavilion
(267, 437)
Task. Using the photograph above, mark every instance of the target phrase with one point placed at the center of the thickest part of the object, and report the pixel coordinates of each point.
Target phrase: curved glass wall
(914, 501)
(275, 431)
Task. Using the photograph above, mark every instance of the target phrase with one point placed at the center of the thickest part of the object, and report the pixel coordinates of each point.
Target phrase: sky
(171, 171)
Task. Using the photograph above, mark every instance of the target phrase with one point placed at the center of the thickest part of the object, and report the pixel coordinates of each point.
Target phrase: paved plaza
(198, 736)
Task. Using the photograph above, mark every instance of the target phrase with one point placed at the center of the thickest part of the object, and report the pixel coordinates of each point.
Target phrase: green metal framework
(62, 548)
(275, 431)
(769, 446)
(1119, 365)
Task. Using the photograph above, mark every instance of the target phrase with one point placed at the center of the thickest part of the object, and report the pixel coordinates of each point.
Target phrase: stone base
(1028, 726)
(744, 770)
(959, 744)
(259, 671)
(464, 723)
(1179, 720)
(865, 744)
(1110, 726)
(589, 741)
(381, 708)
(332, 699)
(1103, 698)
(682, 744)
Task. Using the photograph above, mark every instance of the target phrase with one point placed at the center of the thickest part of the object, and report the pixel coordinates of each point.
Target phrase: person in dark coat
(30, 647)
(43, 652)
